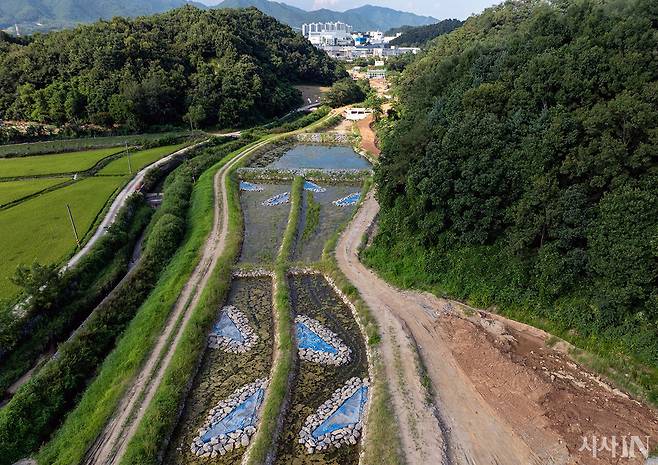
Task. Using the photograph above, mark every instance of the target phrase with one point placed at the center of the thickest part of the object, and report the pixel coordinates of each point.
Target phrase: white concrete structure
(328, 33)
(356, 114)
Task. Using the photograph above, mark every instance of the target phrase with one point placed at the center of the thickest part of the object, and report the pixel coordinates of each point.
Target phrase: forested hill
(523, 170)
(226, 67)
(421, 35)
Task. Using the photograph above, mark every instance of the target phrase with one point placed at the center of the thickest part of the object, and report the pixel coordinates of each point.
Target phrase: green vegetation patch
(521, 173)
(88, 143)
(11, 191)
(139, 160)
(39, 228)
(60, 163)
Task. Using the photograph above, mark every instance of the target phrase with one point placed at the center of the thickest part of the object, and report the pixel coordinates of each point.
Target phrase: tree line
(187, 66)
(523, 168)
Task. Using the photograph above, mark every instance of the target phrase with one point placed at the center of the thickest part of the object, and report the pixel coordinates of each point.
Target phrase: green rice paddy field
(11, 191)
(53, 164)
(38, 228)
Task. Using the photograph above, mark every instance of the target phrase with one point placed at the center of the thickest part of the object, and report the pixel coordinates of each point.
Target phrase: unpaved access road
(112, 442)
(120, 200)
(500, 394)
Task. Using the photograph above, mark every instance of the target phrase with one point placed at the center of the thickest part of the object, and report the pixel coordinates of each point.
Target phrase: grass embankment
(312, 217)
(381, 442)
(495, 285)
(89, 143)
(138, 160)
(279, 387)
(163, 411)
(11, 191)
(39, 228)
(76, 293)
(60, 163)
(100, 400)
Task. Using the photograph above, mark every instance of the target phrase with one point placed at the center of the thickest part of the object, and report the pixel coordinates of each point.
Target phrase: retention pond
(227, 391)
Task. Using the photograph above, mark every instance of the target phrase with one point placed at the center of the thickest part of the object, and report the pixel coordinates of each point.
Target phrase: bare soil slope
(501, 395)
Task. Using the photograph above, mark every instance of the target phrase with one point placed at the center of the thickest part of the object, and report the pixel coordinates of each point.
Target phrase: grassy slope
(139, 160)
(39, 229)
(279, 387)
(53, 164)
(11, 191)
(162, 413)
(87, 420)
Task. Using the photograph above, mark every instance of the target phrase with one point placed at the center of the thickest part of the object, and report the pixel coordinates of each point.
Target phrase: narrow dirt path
(502, 395)
(111, 444)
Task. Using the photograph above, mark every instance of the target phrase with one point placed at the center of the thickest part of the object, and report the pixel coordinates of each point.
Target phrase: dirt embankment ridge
(501, 394)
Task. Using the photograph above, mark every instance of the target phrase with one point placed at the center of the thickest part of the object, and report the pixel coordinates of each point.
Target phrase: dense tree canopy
(226, 67)
(529, 136)
(421, 35)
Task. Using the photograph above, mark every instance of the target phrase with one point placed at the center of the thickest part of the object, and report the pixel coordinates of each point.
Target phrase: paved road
(119, 202)
(112, 443)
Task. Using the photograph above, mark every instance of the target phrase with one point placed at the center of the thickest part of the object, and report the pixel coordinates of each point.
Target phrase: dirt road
(501, 395)
(111, 444)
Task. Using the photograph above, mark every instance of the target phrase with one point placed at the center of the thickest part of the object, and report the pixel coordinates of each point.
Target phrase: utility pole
(75, 231)
(130, 167)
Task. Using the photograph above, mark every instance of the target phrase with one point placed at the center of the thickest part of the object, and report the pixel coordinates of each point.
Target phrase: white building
(328, 33)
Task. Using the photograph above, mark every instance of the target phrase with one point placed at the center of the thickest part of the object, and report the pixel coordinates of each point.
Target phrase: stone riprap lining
(222, 337)
(324, 138)
(332, 176)
(228, 427)
(340, 354)
(347, 425)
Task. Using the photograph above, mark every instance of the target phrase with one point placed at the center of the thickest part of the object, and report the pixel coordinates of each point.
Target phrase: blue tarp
(308, 339)
(351, 199)
(226, 328)
(350, 413)
(311, 186)
(250, 187)
(242, 416)
(277, 200)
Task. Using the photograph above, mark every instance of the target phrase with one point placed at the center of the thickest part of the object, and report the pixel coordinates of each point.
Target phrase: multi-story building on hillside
(328, 33)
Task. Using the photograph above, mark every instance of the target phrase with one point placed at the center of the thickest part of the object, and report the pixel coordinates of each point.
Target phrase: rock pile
(229, 344)
(342, 352)
(222, 443)
(323, 138)
(346, 435)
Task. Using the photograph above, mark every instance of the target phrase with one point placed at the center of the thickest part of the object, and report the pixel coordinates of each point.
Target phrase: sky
(440, 9)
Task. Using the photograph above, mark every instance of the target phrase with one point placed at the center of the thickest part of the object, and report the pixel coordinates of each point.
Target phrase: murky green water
(263, 226)
(320, 157)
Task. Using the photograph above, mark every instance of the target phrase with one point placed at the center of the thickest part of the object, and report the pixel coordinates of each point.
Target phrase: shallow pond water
(264, 226)
(221, 373)
(320, 157)
(309, 246)
(314, 383)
